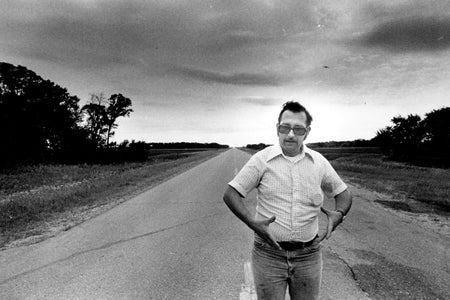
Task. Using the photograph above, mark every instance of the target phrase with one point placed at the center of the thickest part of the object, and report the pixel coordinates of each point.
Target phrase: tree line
(258, 147)
(420, 141)
(41, 122)
(329, 144)
(343, 144)
(186, 145)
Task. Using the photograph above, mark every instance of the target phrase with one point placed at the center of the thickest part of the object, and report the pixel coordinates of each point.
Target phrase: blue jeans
(275, 270)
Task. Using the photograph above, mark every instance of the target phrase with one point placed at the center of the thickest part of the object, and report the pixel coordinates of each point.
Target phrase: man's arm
(343, 204)
(234, 202)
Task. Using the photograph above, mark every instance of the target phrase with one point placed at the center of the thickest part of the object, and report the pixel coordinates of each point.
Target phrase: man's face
(291, 143)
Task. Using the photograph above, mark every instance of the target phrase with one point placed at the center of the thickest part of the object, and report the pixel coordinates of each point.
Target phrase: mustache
(290, 140)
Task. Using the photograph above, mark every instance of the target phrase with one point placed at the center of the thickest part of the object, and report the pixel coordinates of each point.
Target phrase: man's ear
(307, 132)
(277, 129)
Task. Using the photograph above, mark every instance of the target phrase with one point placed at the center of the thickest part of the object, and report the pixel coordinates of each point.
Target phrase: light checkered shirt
(292, 189)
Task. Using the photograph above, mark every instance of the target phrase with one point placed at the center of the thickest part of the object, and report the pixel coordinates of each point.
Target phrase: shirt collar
(276, 151)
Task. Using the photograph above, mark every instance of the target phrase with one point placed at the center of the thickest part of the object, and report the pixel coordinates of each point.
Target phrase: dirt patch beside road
(426, 215)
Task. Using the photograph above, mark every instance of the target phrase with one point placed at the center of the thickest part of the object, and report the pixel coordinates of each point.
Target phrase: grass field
(37, 199)
(427, 185)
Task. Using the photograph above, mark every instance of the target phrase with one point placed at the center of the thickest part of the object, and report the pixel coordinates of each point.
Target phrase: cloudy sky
(219, 71)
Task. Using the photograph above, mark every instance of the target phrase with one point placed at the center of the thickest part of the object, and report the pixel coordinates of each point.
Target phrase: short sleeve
(332, 184)
(248, 177)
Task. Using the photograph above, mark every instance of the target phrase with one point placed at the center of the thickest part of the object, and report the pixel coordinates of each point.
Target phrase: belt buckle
(291, 246)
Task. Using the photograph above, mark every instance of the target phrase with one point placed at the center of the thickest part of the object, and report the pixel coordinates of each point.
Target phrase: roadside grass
(36, 199)
(427, 185)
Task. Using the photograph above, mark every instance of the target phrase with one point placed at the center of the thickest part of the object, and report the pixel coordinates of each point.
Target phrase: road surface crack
(107, 245)
(349, 267)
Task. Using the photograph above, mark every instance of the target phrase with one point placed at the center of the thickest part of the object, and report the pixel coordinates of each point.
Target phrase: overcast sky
(219, 71)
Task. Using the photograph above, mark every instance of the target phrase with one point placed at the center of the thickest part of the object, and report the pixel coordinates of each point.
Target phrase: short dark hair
(296, 108)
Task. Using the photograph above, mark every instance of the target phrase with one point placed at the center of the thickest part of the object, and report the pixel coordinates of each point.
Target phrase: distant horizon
(276, 141)
(195, 142)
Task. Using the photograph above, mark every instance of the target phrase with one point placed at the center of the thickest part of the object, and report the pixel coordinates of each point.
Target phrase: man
(290, 180)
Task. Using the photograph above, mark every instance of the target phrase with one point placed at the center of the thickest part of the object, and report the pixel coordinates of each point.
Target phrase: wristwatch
(342, 212)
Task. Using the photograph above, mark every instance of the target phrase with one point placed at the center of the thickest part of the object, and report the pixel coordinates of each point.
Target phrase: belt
(291, 246)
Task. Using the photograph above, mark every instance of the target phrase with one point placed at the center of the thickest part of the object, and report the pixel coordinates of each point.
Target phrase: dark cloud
(101, 33)
(379, 12)
(82, 38)
(410, 34)
(263, 79)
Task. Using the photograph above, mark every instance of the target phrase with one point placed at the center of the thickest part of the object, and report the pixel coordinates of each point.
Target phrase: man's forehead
(290, 115)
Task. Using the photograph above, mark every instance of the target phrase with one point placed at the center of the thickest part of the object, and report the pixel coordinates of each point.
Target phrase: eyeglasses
(285, 129)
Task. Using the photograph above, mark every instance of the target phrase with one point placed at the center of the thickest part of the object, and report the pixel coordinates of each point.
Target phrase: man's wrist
(251, 224)
(342, 213)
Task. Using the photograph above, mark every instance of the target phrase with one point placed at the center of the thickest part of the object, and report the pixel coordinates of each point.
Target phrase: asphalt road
(179, 241)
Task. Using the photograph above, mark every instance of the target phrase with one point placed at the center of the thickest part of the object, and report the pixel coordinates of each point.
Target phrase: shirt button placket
(296, 196)
(292, 199)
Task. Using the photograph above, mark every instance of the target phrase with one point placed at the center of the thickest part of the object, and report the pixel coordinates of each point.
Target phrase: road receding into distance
(179, 241)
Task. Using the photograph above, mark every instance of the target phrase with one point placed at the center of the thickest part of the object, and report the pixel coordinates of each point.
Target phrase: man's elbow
(230, 194)
(227, 195)
(347, 196)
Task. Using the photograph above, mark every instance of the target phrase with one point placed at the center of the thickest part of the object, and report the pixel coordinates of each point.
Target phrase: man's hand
(262, 229)
(234, 201)
(334, 219)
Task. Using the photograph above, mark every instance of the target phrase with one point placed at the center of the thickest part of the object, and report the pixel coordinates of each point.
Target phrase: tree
(119, 106)
(437, 130)
(425, 142)
(40, 121)
(101, 119)
(408, 135)
(384, 140)
(403, 139)
(96, 118)
(36, 116)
